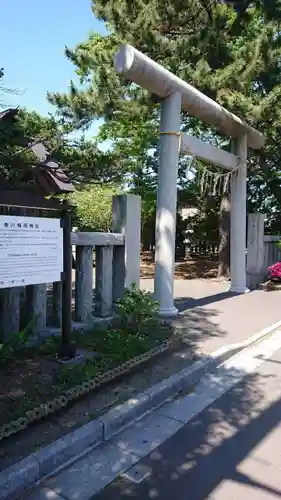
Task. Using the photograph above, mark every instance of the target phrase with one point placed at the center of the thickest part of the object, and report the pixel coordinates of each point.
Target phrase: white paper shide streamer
(213, 183)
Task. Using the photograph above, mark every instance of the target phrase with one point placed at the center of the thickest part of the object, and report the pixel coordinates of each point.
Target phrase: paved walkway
(229, 451)
(221, 442)
(211, 317)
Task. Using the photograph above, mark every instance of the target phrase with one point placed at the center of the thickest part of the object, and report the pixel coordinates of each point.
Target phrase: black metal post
(67, 348)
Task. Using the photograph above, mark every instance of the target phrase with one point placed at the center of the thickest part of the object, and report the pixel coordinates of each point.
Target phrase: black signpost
(68, 348)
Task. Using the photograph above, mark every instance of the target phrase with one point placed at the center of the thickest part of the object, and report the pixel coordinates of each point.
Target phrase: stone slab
(183, 409)
(92, 473)
(66, 448)
(166, 389)
(18, 477)
(121, 416)
(44, 494)
(137, 474)
(146, 435)
(180, 382)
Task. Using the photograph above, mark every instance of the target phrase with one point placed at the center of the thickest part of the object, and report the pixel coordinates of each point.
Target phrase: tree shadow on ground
(186, 303)
(210, 452)
(196, 327)
(196, 324)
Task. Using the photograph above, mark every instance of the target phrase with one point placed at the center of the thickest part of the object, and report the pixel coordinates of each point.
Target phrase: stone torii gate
(175, 94)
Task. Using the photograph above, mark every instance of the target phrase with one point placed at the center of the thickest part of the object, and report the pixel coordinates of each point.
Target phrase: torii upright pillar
(166, 210)
(238, 217)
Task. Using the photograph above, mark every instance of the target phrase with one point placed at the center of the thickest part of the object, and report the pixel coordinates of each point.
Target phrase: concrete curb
(52, 458)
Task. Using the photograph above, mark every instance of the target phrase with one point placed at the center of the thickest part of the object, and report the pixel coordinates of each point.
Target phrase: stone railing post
(57, 303)
(118, 277)
(126, 219)
(104, 259)
(255, 250)
(84, 283)
(9, 311)
(36, 306)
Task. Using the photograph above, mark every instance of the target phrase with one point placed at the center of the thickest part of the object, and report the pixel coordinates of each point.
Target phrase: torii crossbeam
(175, 94)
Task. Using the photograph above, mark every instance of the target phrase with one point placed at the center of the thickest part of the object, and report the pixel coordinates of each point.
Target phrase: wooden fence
(272, 253)
(199, 247)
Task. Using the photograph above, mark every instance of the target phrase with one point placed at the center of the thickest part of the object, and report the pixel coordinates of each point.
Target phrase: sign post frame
(68, 349)
(27, 200)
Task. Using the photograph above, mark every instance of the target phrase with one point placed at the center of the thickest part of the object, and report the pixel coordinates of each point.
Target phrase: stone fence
(271, 252)
(106, 263)
(262, 251)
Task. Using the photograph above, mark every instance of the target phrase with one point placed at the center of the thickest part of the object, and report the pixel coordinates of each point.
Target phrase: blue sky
(33, 37)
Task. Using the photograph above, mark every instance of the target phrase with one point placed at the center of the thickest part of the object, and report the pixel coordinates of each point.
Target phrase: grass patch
(35, 376)
(31, 376)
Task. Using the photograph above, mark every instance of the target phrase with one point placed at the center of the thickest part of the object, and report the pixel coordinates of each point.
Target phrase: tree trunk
(224, 231)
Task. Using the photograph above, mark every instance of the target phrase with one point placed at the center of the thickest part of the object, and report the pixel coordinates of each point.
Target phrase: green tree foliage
(93, 207)
(228, 50)
(81, 159)
(15, 135)
(232, 56)
(86, 164)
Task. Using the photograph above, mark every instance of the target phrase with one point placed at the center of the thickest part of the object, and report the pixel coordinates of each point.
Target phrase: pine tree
(81, 159)
(228, 50)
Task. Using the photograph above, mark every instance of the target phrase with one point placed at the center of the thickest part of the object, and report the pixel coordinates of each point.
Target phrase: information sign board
(31, 250)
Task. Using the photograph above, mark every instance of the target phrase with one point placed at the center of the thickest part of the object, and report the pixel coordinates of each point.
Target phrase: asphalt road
(230, 451)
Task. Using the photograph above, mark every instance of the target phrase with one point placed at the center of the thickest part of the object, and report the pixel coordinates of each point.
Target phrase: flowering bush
(274, 271)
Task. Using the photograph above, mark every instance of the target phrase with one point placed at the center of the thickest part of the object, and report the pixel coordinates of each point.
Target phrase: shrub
(16, 341)
(137, 310)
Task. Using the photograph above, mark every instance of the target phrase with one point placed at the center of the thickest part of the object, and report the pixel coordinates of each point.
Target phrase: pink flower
(274, 271)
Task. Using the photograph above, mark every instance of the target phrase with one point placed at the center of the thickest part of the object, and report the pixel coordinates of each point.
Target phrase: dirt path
(194, 267)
